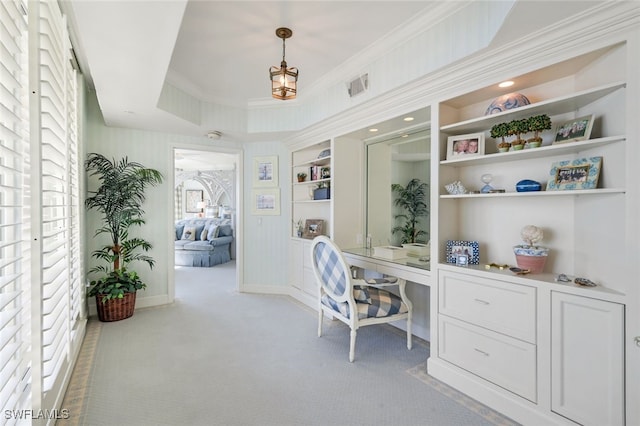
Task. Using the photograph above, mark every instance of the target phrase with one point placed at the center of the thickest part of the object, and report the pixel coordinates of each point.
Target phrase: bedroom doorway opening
(206, 215)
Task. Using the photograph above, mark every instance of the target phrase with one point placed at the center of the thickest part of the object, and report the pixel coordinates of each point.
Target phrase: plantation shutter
(15, 324)
(60, 251)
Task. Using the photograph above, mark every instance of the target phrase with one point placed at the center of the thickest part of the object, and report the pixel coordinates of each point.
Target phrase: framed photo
(467, 252)
(193, 197)
(582, 173)
(266, 201)
(576, 129)
(462, 146)
(265, 172)
(313, 228)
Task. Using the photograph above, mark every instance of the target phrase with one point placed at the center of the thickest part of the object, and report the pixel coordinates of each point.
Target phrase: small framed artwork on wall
(193, 198)
(265, 172)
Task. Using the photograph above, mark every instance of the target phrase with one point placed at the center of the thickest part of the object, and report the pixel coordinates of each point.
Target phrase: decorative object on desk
(519, 271)
(581, 173)
(324, 153)
(529, 255)
(528, 185)
(265, 172)
(456, 188)
(462, 259)
(584, 282)
(463, 146)
(486, 179)
(322, 191)
(537, 124)
(469, 248)
(412, 200)
(302, 177)
(298, 228)
(313, 228)
(265, 201)
(417, 249)
(507, 102)
(390, 252)
(517, 128)
(576, 129)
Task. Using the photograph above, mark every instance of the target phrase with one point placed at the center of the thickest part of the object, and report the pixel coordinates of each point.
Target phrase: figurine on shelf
(486, 179)
(455, 188)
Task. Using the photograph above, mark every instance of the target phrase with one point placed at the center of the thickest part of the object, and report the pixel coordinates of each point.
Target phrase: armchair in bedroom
(355, 302)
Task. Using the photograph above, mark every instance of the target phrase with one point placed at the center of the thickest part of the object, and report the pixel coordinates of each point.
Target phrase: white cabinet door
(587, 359)
(296, 263)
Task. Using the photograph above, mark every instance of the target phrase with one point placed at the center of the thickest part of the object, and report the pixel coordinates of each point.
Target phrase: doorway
(206, 189)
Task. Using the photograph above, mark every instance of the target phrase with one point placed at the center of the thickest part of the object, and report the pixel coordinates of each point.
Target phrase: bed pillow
(189, 233)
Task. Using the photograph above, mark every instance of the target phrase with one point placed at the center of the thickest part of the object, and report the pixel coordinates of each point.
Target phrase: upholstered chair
(356, 302)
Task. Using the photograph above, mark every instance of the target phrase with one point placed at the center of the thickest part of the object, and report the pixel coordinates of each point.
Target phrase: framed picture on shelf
(265, 201)
(193, 197)
(576, 129)
(265, 172)
(467, 251)
(581, 173)
(462, 146)
(313, 228)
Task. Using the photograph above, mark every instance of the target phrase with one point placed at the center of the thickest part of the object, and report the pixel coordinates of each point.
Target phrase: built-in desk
(408, 268)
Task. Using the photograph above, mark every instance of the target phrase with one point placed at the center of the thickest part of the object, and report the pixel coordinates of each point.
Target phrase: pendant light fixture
(284, 80)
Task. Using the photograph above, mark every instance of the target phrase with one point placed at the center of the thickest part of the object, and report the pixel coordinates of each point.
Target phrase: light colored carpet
(218, 357)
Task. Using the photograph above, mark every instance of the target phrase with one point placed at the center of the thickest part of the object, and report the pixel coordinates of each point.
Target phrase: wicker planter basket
(115, 309)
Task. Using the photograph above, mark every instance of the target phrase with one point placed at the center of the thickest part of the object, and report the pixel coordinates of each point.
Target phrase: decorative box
(322, 193)
(528, 185)
(417, 249)
(390, 252)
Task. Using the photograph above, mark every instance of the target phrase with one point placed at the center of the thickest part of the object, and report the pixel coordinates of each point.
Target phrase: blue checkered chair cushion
(383, 304)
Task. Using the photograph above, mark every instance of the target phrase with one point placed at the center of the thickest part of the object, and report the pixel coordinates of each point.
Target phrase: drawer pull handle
(484, 302)
(482, 352)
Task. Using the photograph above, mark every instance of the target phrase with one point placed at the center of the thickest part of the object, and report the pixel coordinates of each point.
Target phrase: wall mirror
(397, 159)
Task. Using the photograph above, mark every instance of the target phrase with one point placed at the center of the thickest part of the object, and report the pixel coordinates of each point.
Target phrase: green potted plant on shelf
(501, 131)
(517, 128)
(302, 177)
(118, 199)
(412, 200)
(537, 124)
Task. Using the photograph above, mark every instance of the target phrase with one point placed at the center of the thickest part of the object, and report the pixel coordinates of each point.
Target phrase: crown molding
(604, 25)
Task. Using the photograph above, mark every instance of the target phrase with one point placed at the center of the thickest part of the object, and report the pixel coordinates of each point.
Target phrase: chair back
(330, 269)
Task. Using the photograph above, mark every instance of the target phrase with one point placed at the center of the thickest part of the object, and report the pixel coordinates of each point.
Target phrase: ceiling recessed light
(508, 83)
(373, 129)
(408, 119)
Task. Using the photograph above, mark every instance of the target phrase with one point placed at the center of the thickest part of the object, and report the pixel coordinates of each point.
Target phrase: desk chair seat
(355, 302)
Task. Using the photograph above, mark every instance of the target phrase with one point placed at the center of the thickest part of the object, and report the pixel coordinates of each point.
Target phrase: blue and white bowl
(506, 102)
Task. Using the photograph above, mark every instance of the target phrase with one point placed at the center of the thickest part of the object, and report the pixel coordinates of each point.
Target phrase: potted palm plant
(118, 199)
(412, 200)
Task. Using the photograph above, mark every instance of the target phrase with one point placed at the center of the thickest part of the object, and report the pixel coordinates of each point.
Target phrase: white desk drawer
(506, 362)
(497, 305)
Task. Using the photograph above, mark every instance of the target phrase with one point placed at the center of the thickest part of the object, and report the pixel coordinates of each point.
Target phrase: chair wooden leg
(409, 334)
(352, 346)
(320, 322)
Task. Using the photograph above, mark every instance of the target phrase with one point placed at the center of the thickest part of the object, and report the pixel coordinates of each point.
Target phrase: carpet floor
(219, 357)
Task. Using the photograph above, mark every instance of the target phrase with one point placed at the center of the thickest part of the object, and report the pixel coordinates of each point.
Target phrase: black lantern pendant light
(284, 80)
